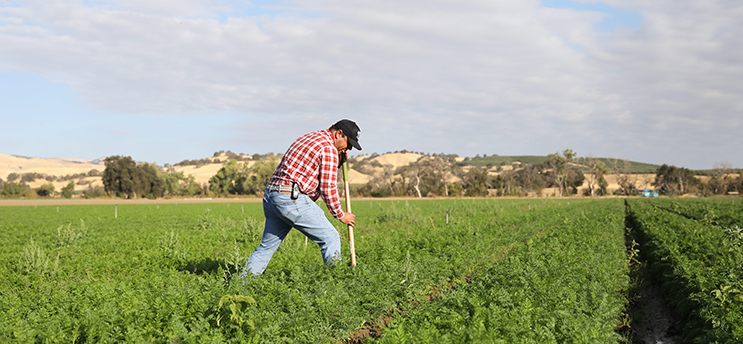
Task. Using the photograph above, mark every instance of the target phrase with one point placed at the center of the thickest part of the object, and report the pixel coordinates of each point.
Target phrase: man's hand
(349, 219)
(342, 156)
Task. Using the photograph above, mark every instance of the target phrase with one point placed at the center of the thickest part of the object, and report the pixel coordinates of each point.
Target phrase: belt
(287, 189)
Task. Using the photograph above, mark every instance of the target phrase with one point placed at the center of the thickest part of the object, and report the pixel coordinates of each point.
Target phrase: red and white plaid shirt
(312, 162)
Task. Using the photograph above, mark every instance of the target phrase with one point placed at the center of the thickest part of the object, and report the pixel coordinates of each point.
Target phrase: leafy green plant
(726, 294)
(734, 235)
(710, 216)
(408, 269)
(205, 221)
(251, 229)
(171, 246)
(208, 221)
(69, 236)
(234, 261)
(233, 307)
(35, 261)
(633, 253)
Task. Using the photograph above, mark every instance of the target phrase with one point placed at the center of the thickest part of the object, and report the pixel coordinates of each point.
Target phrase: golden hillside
(54, 167)
(61, 167)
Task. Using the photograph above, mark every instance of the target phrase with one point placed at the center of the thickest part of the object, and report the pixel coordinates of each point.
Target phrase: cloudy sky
(161, 81)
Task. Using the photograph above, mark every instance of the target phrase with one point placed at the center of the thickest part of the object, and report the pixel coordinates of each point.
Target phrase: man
(309, 170)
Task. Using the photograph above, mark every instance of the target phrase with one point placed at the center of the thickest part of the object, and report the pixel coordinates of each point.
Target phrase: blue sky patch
(254, 8)
(63, 126)
(257, 8)
(615, 17)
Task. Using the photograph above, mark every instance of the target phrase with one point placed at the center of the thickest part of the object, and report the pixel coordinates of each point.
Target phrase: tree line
(432, 175)
(441, 175)
(230, 156)
(9, 189)
(124, 178)
(30, 177)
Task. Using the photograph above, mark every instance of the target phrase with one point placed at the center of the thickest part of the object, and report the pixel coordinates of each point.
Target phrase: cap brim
(354, 143)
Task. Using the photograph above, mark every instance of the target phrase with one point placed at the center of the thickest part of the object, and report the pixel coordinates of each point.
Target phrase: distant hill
(54, 166)
(635, 167)
(496, 160)
(83, 172)
(203, 169)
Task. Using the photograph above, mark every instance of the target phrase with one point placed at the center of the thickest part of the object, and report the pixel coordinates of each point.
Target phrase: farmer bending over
(308, 170)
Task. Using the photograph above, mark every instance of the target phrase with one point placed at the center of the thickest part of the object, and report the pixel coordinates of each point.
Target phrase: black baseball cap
(351, 130)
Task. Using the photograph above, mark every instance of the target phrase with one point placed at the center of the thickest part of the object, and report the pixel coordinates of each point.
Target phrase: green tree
(385, 183)
(412, 173)
(176, 184)
(190, 187)
(229, 180)
(506, 184)
(68, 190)
(45, 190)
(416, 173)
(560, 165)
(172, 182)
(118, 177)
(428, 176)
(476, 181)
(13, 177)
(596, 182)
(257, 176)
(722, 178)
(436, 173)
(13, 190)
(455, 189)
(147, 181)
(94, 191)
(124, 178)
(28, 177)
(574, 180)
(674, 180)
(621, 169)
(529, 178)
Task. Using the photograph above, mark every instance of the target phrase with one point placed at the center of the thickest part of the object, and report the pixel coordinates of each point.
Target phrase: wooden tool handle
(348, 209)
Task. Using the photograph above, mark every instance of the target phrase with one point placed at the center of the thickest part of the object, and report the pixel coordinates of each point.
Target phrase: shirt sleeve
(328, 178)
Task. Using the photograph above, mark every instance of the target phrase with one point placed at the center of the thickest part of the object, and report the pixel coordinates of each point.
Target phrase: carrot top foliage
(694, 251)
(549, 270)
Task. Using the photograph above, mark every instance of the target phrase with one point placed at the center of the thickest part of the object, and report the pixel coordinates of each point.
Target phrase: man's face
(341, 141)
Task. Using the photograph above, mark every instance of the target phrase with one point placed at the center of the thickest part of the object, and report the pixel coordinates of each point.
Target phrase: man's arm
(328, 178)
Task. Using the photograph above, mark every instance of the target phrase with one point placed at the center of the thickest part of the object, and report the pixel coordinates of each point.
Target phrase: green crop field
(429, 271)
(695, 252)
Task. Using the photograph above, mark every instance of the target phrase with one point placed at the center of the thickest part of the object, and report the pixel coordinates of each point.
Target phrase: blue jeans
(282, 213)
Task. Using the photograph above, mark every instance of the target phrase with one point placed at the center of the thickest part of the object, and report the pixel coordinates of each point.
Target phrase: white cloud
(464, 77)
